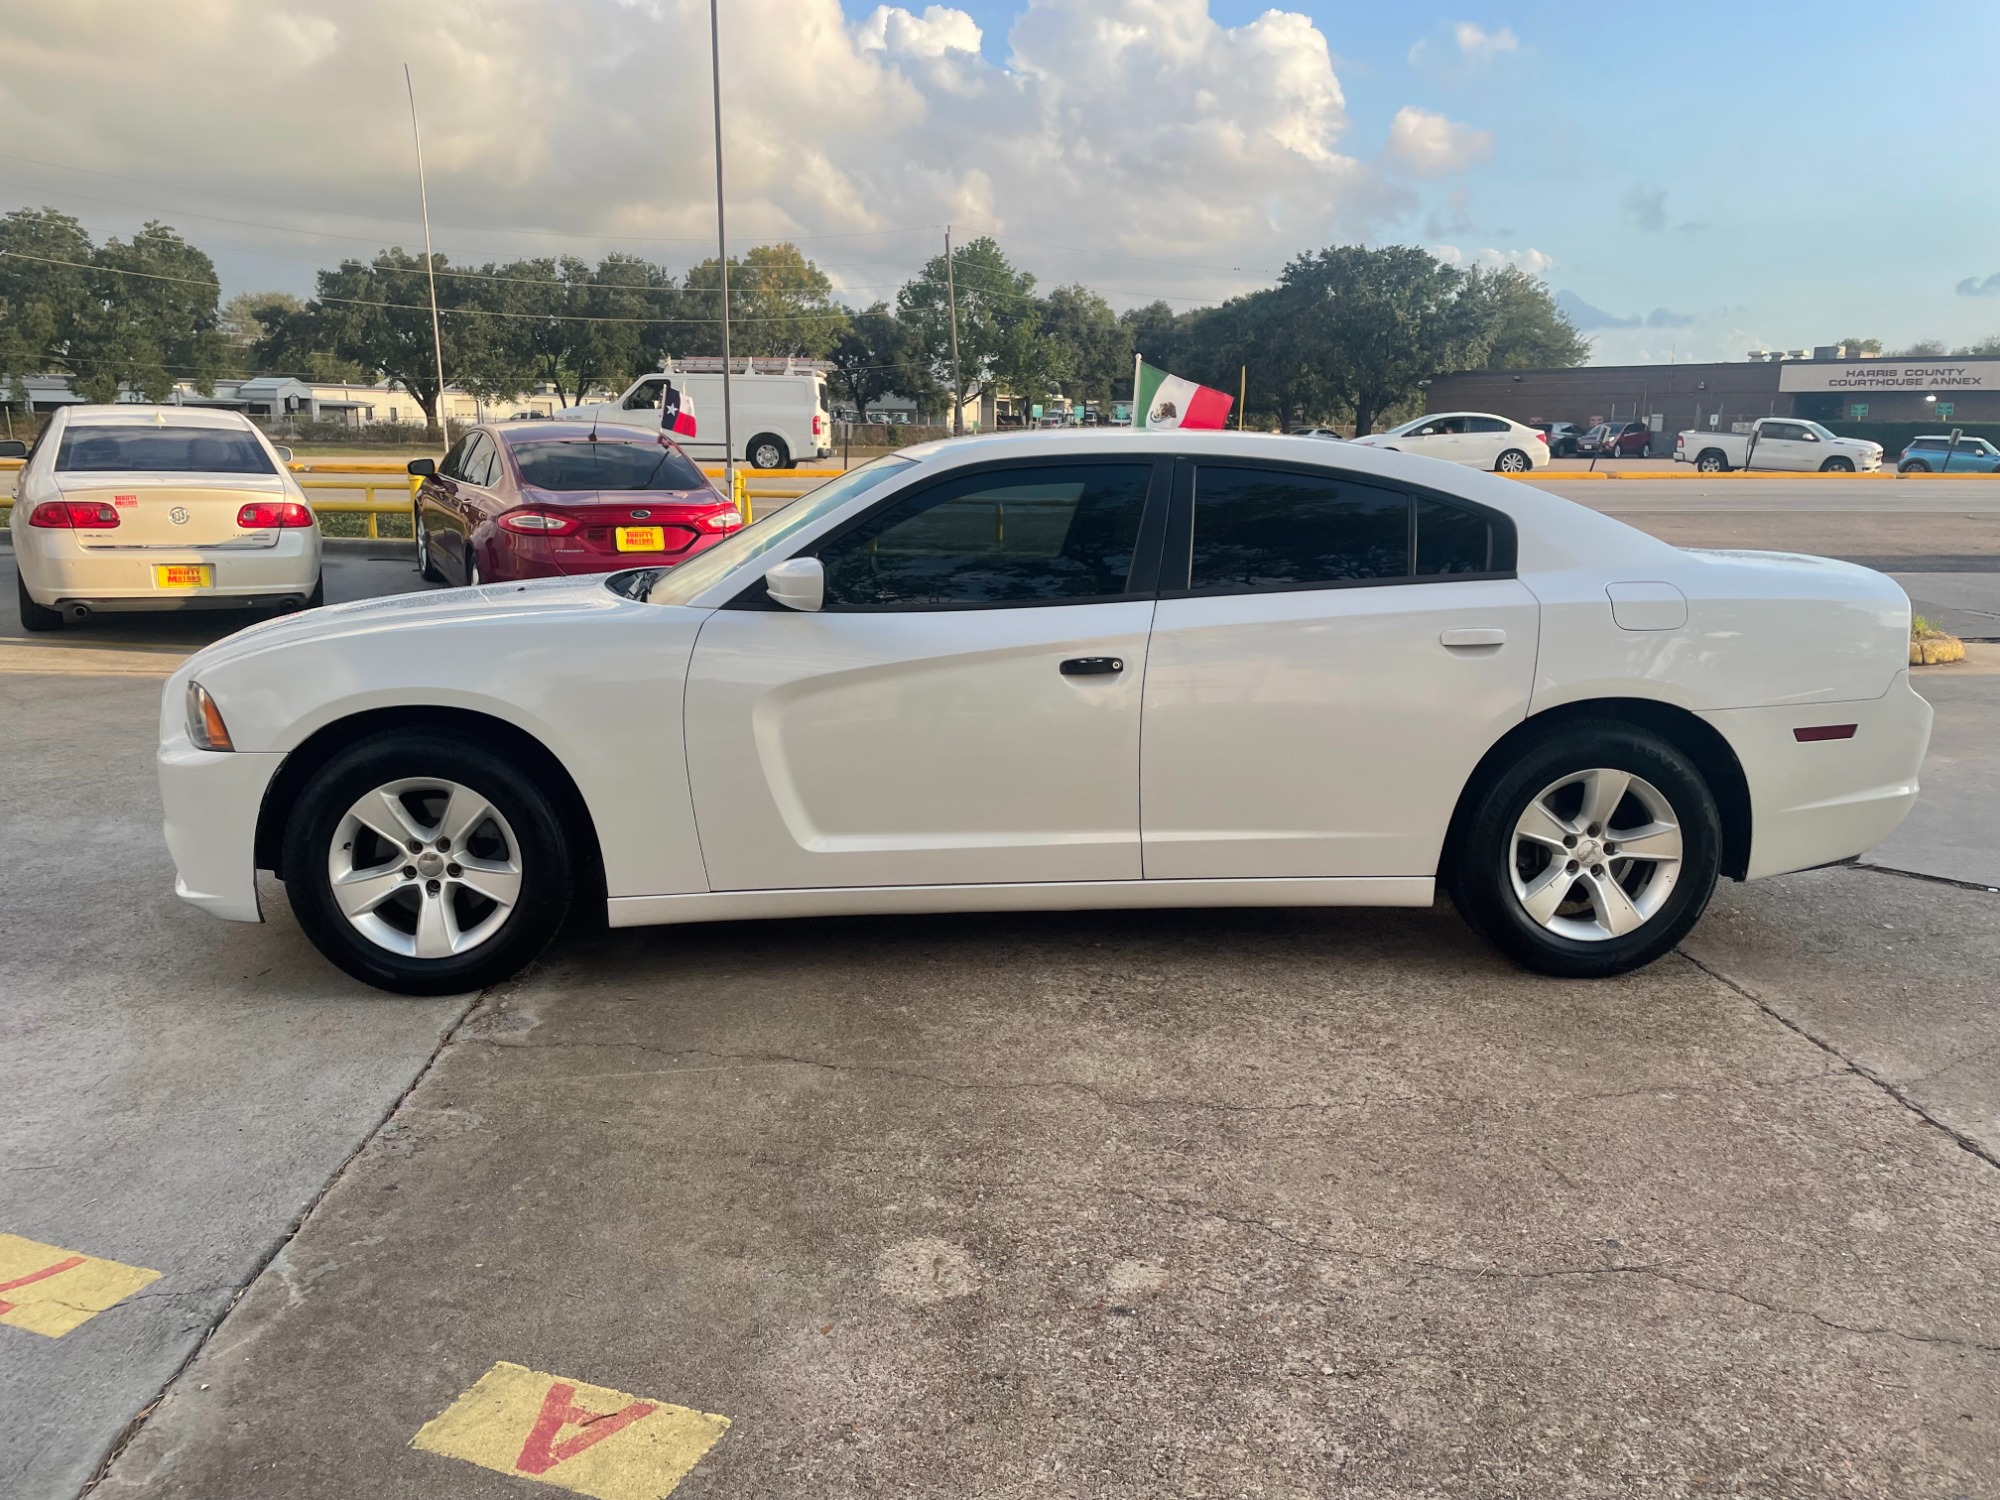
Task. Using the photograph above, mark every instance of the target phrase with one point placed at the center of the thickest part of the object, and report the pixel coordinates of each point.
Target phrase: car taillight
(722, 520)
(82, 515)
(262, 515)
(540, 523)
(819, 424)
(1544, 437)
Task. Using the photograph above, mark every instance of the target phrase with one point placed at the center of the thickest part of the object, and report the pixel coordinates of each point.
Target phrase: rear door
(1486, 438)
(964, 710)
(1331, 656)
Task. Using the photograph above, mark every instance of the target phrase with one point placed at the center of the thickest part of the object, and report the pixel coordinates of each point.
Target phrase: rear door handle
(1485, 637)
(1093, 666)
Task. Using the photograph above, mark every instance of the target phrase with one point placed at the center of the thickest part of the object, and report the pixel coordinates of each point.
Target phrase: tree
(1098, 347)
(992, 299)
(45, 258)
(150, 319)
(1382, 322)
(564, 323)
(780, 303)
(1988, 345)
(1514, 324)
(879, 354)
(376, 313)
(1859, 348)
(1921, 349)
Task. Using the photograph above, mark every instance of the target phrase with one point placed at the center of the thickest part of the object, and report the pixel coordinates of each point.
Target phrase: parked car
(779, 419)
(1345, 676)
(122, 508)
(1616, 440)
(557, 498)
(1972, 455)
(1776, 443)
(1562, 437)
(1327, 433)
(1477, 439)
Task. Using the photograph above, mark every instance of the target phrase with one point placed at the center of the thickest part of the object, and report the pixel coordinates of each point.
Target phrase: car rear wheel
(1916, 466)
(1837, 466)
(34, 616)
(1711, 461)
(426, 563)
(426, 865)
(1593, 854)
(1513, 461)
(768, 451)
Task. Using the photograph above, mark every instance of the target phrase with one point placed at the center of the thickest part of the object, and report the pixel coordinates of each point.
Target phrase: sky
(1692, 181)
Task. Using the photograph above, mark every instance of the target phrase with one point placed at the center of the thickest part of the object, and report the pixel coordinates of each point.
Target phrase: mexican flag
(1163, 400)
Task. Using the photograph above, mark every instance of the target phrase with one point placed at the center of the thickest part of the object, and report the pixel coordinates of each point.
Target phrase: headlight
(206, 731)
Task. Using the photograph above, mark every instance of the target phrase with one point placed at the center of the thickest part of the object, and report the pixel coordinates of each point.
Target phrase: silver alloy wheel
(472, 578)
(1512, 462)
(425, 868)
(1595, 855)
(423, 545)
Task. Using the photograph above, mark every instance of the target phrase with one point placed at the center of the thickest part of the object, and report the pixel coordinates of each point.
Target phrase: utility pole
(957, 382)
(722, 256)
(430, 265)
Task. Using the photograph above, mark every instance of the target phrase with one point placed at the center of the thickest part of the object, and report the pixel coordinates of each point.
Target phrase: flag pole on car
(430, 264)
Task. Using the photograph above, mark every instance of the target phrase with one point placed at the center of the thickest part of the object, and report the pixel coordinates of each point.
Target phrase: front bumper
(212, 799)
(1828, 800)
(119, 578)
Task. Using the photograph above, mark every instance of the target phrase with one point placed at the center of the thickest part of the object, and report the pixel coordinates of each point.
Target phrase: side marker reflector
(1824, 732)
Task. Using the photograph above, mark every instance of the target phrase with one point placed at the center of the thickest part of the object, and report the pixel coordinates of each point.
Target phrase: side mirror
(13, 448)
(284, 453)
(423, 468)
(797, 583)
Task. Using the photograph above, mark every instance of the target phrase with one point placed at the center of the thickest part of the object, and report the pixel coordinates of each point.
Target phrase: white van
(780, 420)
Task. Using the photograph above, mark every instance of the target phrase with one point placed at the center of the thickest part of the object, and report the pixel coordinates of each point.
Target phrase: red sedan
(556, 498)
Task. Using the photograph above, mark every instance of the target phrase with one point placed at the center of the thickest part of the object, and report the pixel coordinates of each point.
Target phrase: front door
(1342, 655)
(1784, 445)
(965, 708)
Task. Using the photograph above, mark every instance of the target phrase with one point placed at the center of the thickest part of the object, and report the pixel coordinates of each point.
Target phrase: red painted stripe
(1207, 407)
(42, 1275)
(1824, 732)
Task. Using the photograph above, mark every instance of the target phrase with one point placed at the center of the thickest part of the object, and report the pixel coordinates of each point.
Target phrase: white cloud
(1534, 262)
(1429, 145)
(1479, 46)
(937, 31)
(1137, 126)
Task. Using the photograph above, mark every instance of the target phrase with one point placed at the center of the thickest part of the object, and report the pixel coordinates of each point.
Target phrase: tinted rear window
(1268, 528)
(583, 465)
(173, 450)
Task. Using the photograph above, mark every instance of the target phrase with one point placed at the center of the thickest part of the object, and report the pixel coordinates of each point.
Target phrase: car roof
(128, 415)
(539, 432)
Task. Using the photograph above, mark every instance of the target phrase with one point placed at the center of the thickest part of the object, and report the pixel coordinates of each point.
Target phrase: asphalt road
(1192, 1203)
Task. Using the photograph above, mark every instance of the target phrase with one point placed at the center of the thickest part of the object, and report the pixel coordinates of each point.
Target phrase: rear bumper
(211, 800)
(63, 572)
(1827, 800)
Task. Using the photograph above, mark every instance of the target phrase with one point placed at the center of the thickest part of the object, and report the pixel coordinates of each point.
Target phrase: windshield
(174, 450)
(580, 464)
(700, 572)
(1410, 426)
(1825, 435)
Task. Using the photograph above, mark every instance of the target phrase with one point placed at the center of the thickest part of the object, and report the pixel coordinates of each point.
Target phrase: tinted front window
(1019, 535)
(584, 465)
(175, 450)
(1267, 528)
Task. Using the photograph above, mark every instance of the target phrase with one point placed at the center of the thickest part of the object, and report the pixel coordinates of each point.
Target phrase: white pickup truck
(1776, 443)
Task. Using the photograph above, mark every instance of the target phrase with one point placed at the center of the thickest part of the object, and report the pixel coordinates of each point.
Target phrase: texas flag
(676, 411)
(1163, 400)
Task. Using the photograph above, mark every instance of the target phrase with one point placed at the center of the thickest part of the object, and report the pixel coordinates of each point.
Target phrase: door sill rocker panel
(1081, 895)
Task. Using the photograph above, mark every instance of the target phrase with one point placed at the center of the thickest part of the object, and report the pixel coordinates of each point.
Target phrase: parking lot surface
(1094, 1204)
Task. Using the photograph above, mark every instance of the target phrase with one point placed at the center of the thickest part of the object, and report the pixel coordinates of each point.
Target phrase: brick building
(1965, 388)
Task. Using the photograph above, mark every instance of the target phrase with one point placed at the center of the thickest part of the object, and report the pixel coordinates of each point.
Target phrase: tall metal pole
(722, 253)
(430, 267)
(957, 380)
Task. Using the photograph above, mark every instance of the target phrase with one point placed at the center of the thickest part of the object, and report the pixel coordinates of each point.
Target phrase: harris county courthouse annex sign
(1891, 375)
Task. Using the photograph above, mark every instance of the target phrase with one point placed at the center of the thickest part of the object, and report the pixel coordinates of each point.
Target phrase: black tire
(540, 846)
(1712, 461)
(1916, 466)
(1837, 466)
(1513, 461)
(427, 566)
(317, 598)
(768, 451)
(34, 616)
(1485, 860)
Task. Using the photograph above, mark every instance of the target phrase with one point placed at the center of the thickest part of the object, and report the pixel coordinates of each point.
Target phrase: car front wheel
(426, 865)
(1837, 466)
(1591, 855)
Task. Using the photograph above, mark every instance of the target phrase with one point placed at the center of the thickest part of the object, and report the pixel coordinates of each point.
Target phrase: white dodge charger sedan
(158, 507)
(1123, 669)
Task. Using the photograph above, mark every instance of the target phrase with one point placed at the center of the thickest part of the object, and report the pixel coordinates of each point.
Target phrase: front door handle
(1093, 666)
(1485, 637)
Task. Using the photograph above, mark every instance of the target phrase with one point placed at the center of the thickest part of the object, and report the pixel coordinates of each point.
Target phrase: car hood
(415, 612)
